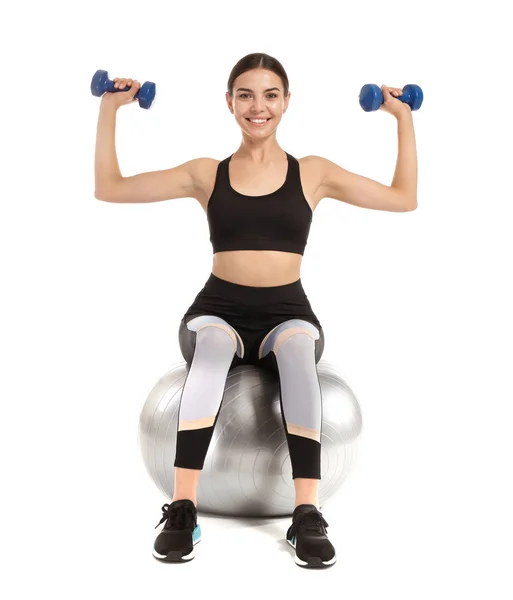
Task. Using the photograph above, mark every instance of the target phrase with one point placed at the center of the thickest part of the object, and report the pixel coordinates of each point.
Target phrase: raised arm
(400, 196)
(110, 186)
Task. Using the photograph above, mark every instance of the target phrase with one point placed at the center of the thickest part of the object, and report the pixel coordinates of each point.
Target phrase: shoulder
(202, 170)
(198, 166)
(314, 168)
(314, 161)
(327, 172)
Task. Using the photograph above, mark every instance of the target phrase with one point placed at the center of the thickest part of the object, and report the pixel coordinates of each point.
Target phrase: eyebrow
(248, 90)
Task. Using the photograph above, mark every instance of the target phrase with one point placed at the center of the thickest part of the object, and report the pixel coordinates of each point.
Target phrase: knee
(295, 337)
(210, 334)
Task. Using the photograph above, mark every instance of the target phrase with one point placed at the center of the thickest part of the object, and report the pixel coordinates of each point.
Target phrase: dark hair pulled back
(258, 60)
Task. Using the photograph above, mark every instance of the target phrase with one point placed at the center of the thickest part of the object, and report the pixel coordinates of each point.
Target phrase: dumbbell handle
(406, 96)
(111, 88)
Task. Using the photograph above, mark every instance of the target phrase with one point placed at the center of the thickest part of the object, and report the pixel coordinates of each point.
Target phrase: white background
(416, 306)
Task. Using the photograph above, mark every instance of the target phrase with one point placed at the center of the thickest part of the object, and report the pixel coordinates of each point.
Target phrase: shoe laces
(177, 517)
(310, 521)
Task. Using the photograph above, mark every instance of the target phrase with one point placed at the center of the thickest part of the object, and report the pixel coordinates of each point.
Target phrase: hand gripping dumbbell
(371, 97)
(101, 84)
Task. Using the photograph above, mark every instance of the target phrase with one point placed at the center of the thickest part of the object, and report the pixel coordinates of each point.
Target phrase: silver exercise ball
(247, 470)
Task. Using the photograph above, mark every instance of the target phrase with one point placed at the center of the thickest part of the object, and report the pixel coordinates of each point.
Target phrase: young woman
(252, 309)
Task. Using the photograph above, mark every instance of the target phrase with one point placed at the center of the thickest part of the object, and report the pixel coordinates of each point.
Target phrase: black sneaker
(176, 541)
(308, 536)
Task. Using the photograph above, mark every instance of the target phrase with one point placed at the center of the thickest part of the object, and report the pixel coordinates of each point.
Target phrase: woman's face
(258, 94)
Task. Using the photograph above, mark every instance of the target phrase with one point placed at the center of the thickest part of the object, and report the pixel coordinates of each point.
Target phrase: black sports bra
(277, 221)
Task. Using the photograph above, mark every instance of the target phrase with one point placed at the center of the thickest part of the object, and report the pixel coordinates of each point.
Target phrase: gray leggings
(211, 346)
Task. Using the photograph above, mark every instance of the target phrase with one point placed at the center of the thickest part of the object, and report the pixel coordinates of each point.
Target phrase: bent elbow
(410, 206)
(101, 196)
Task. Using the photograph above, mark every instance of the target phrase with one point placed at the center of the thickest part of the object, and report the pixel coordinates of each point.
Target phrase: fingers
(133, 86)
(121, 83)
(393, 91)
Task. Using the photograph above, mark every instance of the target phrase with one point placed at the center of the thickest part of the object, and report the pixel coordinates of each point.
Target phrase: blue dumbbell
(371, 97)
(101, 84)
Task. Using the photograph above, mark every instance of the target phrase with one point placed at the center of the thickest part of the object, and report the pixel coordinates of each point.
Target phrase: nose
(258, 105)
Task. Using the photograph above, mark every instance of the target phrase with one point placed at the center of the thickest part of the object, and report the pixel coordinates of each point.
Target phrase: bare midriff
(259, 268)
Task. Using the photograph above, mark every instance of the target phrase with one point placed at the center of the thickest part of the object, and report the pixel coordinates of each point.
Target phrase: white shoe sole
(176, 555)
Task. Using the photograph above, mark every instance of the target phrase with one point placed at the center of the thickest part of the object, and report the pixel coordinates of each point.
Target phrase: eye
(243, 95)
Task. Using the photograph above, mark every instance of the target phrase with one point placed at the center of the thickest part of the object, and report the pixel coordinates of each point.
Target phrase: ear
(229, 102)
(286, 103)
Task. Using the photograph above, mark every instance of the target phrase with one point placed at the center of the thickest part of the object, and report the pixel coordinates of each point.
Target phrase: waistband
(251, 295)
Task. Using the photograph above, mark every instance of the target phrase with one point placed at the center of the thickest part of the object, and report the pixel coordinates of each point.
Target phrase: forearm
(405, 176)
(106, 167)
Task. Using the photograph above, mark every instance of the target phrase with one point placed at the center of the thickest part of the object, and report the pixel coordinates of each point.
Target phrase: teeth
(258, 120)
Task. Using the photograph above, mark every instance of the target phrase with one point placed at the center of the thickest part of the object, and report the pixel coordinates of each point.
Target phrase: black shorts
(252, 312)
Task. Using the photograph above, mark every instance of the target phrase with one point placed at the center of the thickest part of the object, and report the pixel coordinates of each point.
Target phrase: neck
(260, 153)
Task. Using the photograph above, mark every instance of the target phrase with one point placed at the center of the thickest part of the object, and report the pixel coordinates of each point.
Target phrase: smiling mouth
(253, 123)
